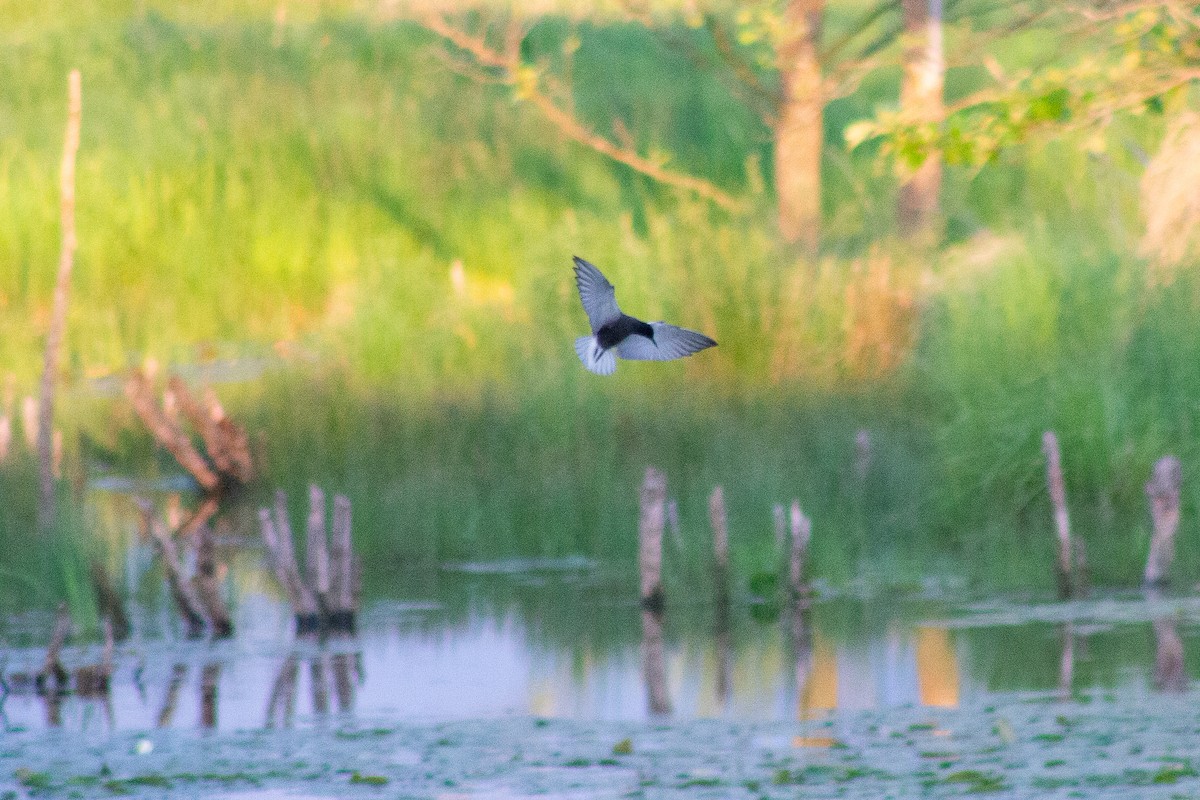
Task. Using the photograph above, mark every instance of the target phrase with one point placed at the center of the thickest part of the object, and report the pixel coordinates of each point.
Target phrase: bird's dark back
(624, 326)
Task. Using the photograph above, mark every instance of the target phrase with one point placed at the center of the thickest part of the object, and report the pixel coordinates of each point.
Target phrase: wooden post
(277, 535)
(650, 538)
(344, 578)
(1062, 523)
(1163, 492)
(316, 548)
(720, 526)
(801, 534)
(862, 454)
(58, 313)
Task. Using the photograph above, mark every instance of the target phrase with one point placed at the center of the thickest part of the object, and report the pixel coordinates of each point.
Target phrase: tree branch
(527, 82)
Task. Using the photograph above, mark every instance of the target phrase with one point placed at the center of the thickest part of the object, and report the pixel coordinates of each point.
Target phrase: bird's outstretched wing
(669, 343)
(598, 296)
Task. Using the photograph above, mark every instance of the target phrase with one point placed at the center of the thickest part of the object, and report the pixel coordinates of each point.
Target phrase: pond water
(516, 679)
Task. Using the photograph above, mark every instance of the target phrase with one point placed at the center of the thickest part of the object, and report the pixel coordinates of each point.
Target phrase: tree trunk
(800, 132)
(921, 99)
(58, 314)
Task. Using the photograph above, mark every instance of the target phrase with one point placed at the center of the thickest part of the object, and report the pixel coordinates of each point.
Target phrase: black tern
(628, 337)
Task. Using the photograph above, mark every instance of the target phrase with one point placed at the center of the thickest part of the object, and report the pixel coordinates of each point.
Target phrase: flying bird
(617, 334)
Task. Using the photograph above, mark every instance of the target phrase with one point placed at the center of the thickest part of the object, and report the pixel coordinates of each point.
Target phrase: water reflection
(503, 645)
(654, 664)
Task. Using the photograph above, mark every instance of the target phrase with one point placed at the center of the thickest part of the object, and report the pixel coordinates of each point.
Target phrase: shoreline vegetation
(386, 242)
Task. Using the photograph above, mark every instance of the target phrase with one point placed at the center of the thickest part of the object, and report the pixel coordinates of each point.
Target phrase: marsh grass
(324, 196)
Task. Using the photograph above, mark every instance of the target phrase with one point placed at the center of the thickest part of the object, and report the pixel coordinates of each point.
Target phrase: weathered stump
(1069, 566)
(1163, 492)
(801, 530)
(650, 539)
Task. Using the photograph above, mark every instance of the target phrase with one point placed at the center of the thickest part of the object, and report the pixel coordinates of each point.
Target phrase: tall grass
(324, 194)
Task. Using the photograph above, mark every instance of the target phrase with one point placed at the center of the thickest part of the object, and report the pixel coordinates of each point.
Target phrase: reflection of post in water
(800, 647)
(937, 668)
(722, 634)
(1066, 666)
(209, 678)
(282, 704)
(650, 538)
(1169, 674)
(654, 663)
(93, 682)
(317, 668)
(347, 672)
(171, 699)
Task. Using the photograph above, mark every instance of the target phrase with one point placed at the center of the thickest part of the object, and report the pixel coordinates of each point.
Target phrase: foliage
(1124, 59)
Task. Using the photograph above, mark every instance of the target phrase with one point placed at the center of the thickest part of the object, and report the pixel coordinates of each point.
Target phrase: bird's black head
(645, 329)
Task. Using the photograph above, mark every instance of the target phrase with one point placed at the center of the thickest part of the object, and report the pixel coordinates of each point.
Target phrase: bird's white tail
(601, 362)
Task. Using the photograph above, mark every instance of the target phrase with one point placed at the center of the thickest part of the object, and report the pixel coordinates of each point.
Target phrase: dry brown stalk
(58, 313)
(233, 438)
(168, 434)
(205, 425)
